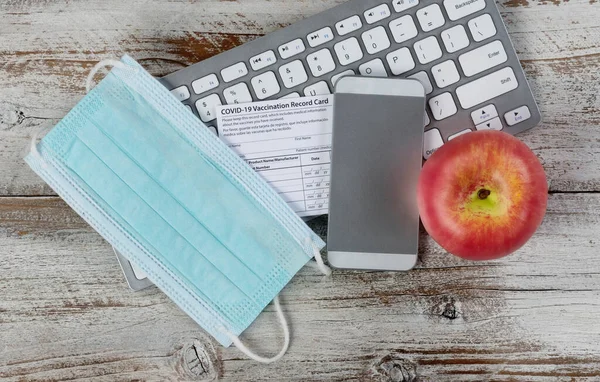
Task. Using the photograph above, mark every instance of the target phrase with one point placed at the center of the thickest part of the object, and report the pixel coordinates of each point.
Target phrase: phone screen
(376, 160)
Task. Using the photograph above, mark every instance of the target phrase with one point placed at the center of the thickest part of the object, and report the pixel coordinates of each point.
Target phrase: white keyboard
(458, 49)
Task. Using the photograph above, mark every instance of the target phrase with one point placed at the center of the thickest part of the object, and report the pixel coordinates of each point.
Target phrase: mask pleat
(185, 174)
(173, 247)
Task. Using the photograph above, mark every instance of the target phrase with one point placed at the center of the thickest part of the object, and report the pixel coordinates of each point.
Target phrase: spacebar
(486, 88)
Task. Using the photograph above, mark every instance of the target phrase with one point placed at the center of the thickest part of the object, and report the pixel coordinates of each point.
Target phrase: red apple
(482, 195)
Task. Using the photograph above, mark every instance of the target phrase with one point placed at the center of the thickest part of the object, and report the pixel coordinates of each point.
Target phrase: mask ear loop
(319, 263)
(89, 83)
(286, 335)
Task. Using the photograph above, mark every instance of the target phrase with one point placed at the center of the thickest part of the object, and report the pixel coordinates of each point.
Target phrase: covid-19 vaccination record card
(288, 142)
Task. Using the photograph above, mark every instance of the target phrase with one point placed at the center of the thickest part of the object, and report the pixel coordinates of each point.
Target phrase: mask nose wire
(286, 335)
(89, 83)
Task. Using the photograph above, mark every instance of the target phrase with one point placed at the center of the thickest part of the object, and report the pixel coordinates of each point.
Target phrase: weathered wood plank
(66, 312)
(46, 50)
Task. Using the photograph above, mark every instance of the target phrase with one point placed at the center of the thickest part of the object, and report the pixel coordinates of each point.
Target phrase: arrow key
(517, 116)
(484, 114)
(494, 124)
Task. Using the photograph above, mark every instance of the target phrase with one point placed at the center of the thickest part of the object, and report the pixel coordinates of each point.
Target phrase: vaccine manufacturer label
(288, 142)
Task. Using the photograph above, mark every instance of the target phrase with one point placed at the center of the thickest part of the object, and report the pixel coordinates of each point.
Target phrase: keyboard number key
(293, 74)
(320, 62)
(320, 37)
(348, 25)
(432, 140)
(263, 60)
(403, 29)
(348, 51)
(234, 72)
(430, 17)
(291, 48)
(207, 107)
(265, 85)
(482, 27)
(205, 83)
(427, 50)
(380, 12)
(181, 93)
(237, 94)
(320, 88)
(400, 61)
(376, 40)
(442, 106)
(445, 74)
(403, 5)
(455, 39)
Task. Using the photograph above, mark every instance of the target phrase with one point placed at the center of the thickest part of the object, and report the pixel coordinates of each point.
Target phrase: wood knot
(448, 307)
(198, 361)
(393, 368)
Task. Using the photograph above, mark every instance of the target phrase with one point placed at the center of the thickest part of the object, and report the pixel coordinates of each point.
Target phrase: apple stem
(483, 193)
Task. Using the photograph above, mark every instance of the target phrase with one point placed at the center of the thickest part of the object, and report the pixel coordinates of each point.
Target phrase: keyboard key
(373, 68)
(426, 121)
(517, 116)
(403, 29)
(181, 93)
(292, 48)
(457, 9)
(205, 83)
(428, 50)
(482, 58)
(263, 60)
(320, 62)
(348, 25)
(445, 74)
(484, 114)
(237, 94)
(380, 12)
(430, 17)
(463, 132)
(455, 39)
(494, 124)
(432, 140)
(423, 78)
(400, 61)
(265, 85)
(207, 107)
(403, 5)
(482, 27)
(293, 74)
(291, 95)
(442, 106)
(376, 40)
(320, 37)
(320, 88)
(335, 78)
(487, 88)
(234, 72)
(189, 108)
(348, 51)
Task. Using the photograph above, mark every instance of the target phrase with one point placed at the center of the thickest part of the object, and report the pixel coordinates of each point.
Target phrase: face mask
(162, 189)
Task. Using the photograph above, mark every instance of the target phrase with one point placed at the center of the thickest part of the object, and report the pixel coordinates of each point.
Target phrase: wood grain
(67, 314)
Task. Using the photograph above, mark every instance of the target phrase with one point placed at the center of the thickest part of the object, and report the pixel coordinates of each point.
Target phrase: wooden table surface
(66, 312)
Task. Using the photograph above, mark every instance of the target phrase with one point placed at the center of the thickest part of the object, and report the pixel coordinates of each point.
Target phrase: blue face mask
(168, 194)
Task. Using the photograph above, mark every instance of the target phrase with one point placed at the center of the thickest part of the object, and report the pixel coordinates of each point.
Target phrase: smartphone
(376, 159)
